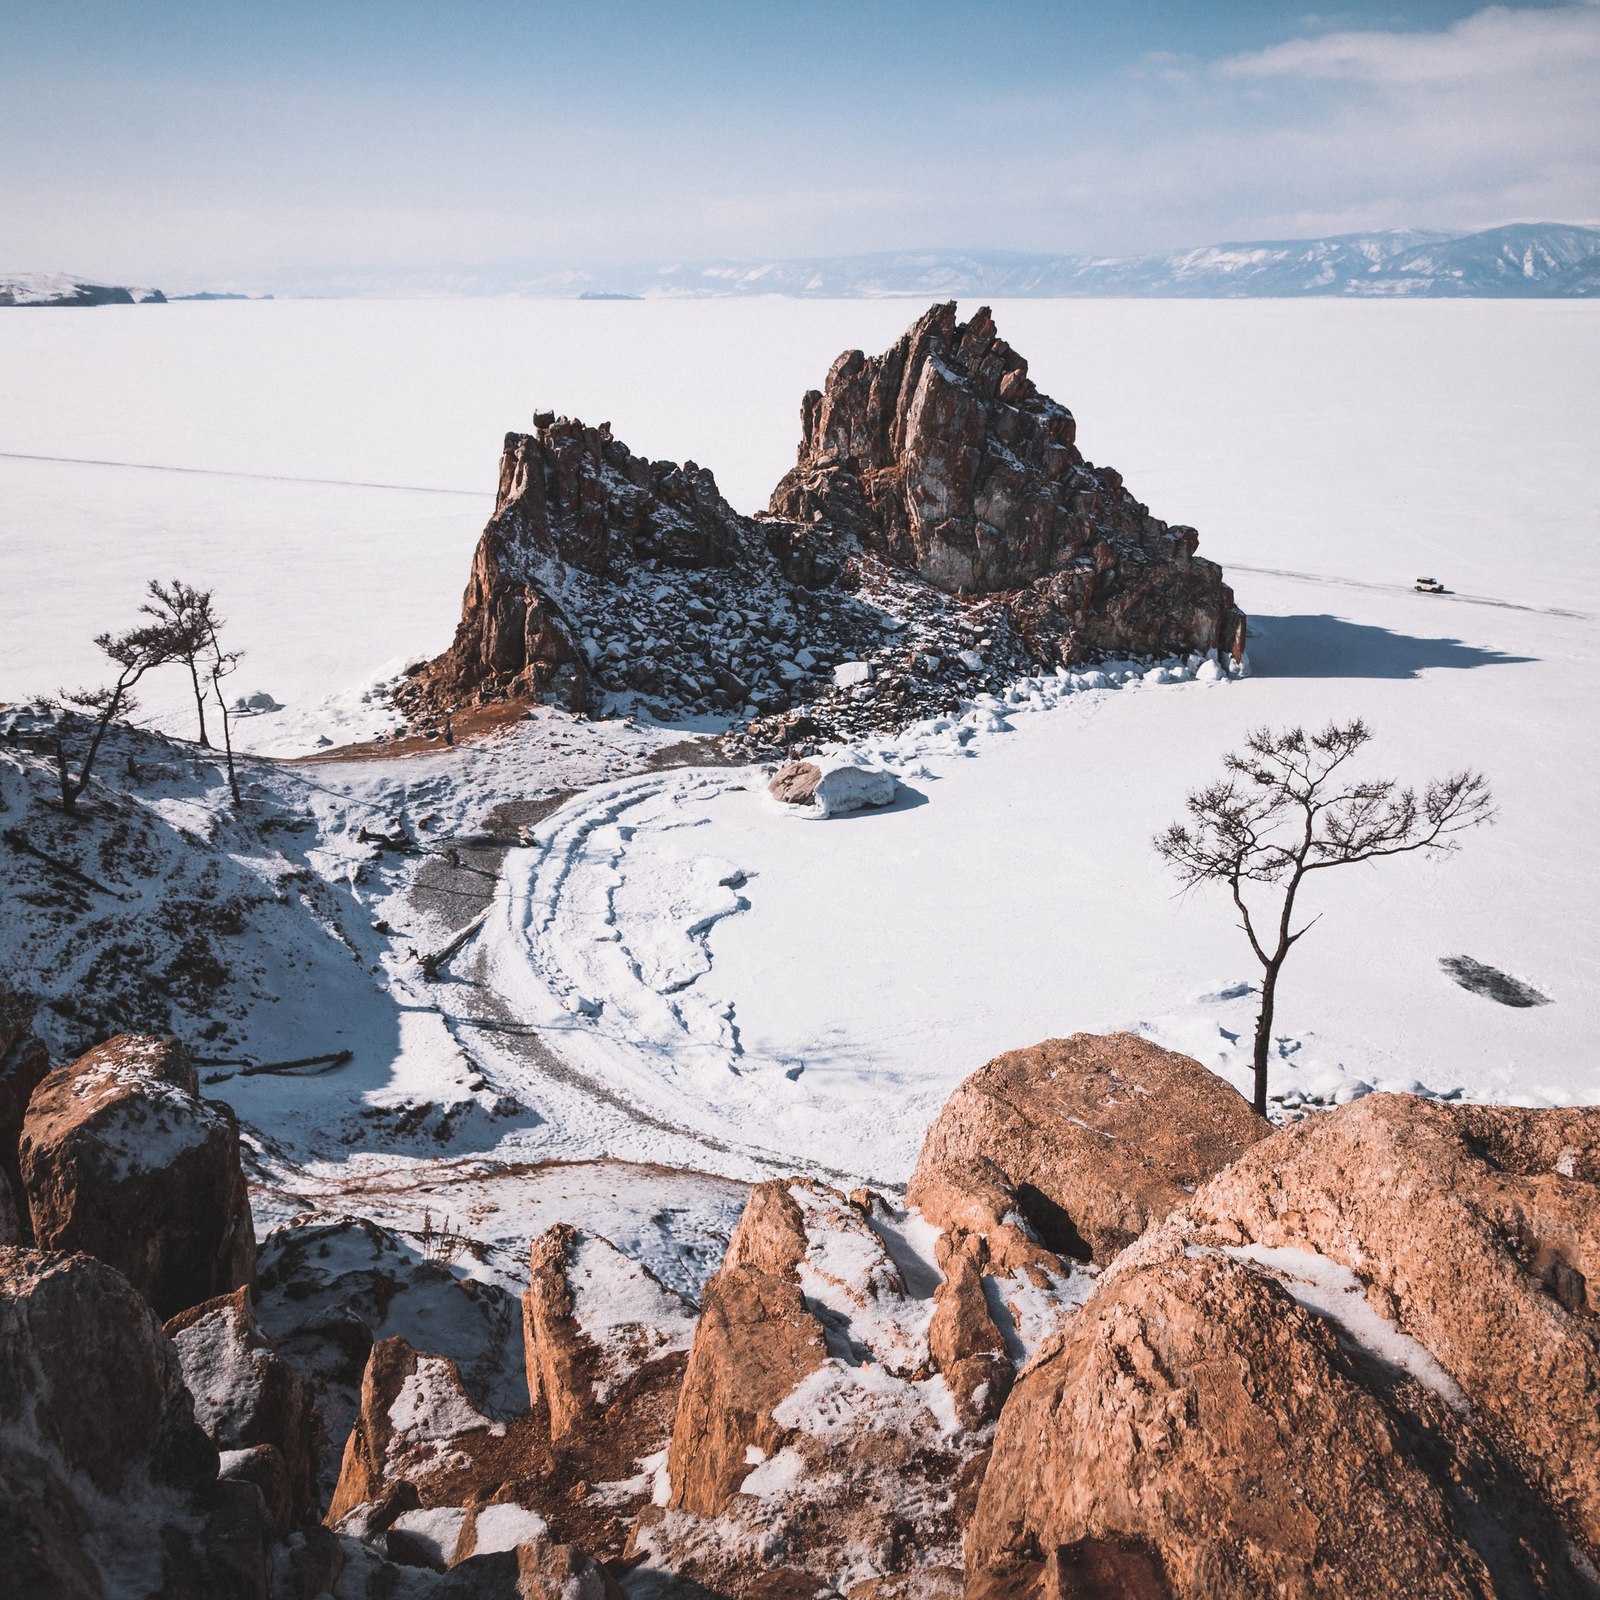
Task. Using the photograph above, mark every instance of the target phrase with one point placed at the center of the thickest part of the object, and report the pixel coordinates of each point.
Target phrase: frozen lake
(1362, 441)
(1328, 453)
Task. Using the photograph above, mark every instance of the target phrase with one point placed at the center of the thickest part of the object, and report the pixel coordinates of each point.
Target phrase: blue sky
(295, 143)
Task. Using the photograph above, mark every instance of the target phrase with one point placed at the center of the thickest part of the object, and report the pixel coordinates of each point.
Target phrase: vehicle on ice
(1429, 586)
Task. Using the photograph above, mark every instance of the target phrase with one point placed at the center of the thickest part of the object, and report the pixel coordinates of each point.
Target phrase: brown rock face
(838, 1401)
(1088, 1140)
(246, 1396)
(1477, 1229)
(603, 1336)
(1211, 1438)
(418, 1426)
(573, 503)
(107, 1484)
(23, 1064)
(123, 1160)
(942, 456)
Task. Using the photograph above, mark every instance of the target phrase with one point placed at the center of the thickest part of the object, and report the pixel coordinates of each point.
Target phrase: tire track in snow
(1323, 580)
(253, 477)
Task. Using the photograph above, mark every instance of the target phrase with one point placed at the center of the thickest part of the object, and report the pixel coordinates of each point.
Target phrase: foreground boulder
(1362, 1361)
(249, 1399)
(1085, 1140)
(839, 1400)
(108, 1486)
(123, 1160)
(1477, 1230)
(826, 787)
(942, 457)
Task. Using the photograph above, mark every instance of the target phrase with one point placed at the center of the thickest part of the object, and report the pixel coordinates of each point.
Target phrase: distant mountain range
(1525, 259)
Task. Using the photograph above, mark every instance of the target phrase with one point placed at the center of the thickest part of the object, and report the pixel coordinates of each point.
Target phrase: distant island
(63, 289)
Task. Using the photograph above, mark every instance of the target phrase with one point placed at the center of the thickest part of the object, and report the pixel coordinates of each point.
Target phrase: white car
(1429, 586)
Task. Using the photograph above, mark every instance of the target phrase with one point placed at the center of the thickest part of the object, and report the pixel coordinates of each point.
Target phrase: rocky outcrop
(1476, 1230)
(837, 1406)
(107, 1484)
(123, 1160)
(1362, 1360)
(250, 1402)
(418, 1428)
(939, 537)
(1078, 1144)
(329, 1289)
(1210, 1438)
(942, 456)
(605, 1339)
(23, 1065)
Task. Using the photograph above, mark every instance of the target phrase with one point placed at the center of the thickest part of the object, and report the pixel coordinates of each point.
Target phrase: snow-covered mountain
(64, 289)
(1525, 259)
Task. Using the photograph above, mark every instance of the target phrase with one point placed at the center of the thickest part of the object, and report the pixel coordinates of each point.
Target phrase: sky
(318, 144)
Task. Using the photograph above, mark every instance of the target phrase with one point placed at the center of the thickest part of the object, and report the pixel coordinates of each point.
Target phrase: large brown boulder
(248, 1398)
(1477, 1230)
(942, 456)
(123, 1160)
(1198, 1433)
(108, 1486)
(1086, 1141)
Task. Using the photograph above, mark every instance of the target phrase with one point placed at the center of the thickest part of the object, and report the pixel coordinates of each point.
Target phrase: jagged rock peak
(942, 455)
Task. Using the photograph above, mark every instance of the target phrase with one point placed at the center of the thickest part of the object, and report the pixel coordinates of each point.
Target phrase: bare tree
(220, 665)
(1285, 809)
(187, 616)
(134, 653)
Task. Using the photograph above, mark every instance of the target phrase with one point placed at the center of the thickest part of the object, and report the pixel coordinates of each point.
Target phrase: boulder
(108, 1486)
(1078, 1144)
(603, 1335)
(329, 1289)
(23, 1065)
(418, 1425)
(941, 456)
(249, 1399)
(122, 1159)
(838, 1401)
(827, 786)
(1204, 1429)
(1475, 1230)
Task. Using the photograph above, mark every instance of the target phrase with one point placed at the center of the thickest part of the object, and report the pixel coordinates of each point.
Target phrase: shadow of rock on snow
(1329, 647)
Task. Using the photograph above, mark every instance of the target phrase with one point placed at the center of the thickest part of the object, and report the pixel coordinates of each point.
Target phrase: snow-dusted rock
(848, 674)
(247, 1397)
(604, 1337)
(1477, 1229)
(107, 1485)
(123, 1160)
(827, 786)
(837, 1403)
(328, 1290)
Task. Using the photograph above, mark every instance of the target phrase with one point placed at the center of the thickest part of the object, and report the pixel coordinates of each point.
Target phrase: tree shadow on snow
(1330, 647)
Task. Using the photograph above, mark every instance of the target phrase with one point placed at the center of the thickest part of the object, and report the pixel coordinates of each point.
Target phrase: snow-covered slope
(62, 289)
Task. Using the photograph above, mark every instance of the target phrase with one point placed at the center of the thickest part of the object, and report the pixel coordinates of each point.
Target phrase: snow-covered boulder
(249, 1399)
(827, 786)
(123, 1160)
